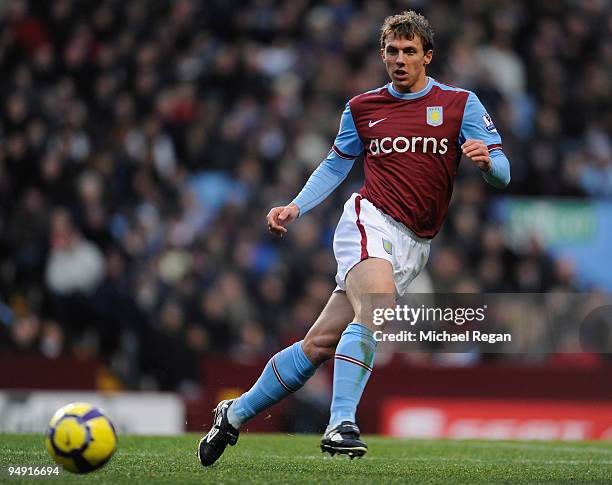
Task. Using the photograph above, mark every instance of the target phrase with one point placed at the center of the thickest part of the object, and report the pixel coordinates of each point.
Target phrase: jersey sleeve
(477, 124)
(348, 144)
(499, 174)
(334, 168)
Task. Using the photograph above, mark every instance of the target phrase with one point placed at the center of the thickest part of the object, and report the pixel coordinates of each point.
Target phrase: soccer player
(412, 133)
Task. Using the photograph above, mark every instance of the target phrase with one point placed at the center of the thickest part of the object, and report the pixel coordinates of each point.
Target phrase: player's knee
(319, 349)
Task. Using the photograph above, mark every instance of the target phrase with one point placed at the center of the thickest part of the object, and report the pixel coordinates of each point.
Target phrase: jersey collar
(418, 94)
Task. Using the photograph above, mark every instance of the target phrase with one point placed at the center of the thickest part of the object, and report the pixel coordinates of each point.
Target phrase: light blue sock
(352, 368)
(284, 374)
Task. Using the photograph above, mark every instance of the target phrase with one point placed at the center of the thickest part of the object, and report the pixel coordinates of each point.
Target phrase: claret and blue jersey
(411, 145)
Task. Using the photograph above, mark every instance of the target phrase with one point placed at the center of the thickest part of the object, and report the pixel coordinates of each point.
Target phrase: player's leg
(320, 342)
(289, 369)
(284, 373)
(370, 284)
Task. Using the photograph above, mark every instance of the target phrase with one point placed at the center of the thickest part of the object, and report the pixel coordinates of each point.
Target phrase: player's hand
(280, 217)
(477, 151)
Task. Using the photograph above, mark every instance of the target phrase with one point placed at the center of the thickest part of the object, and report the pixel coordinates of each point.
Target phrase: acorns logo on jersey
(402, 144)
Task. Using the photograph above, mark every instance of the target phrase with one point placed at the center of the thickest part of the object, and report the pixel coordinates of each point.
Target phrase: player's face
(405, 62)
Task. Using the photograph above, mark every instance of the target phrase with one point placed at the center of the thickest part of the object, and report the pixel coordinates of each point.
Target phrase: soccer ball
(80, 437)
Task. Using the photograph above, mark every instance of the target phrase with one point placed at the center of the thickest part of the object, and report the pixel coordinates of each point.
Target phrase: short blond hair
(407, 24)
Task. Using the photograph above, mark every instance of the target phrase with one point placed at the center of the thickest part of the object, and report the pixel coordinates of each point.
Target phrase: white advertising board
(130, 412)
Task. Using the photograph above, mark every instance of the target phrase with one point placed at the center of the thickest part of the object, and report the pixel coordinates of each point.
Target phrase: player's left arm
(481, 143)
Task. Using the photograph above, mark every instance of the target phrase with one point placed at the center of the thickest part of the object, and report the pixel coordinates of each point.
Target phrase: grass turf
(296, 459)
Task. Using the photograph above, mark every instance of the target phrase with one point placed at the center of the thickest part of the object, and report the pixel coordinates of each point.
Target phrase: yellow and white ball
(81, 437)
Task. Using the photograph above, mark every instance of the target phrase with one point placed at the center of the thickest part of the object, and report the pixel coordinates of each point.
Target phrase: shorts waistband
(399, 225)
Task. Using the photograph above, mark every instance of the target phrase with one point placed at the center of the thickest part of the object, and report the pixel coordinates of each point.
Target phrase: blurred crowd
(142, 144)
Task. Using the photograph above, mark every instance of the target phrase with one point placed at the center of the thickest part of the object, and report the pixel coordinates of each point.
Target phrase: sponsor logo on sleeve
(488, 122)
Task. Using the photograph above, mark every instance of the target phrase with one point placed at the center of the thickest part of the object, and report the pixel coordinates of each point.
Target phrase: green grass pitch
(296, 459)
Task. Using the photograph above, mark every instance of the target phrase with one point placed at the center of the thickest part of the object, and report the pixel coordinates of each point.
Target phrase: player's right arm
(329, 174)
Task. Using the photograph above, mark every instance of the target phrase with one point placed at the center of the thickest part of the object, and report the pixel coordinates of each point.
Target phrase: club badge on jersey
(434, 115)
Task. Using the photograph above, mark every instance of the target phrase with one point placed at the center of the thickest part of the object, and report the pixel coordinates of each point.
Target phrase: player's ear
(428, 56)
(382, 53)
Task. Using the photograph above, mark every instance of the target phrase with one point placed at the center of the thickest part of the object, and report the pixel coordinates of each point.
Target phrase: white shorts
(366, 232)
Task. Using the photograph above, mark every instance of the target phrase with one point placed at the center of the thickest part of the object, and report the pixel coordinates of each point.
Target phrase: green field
(296, 459)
